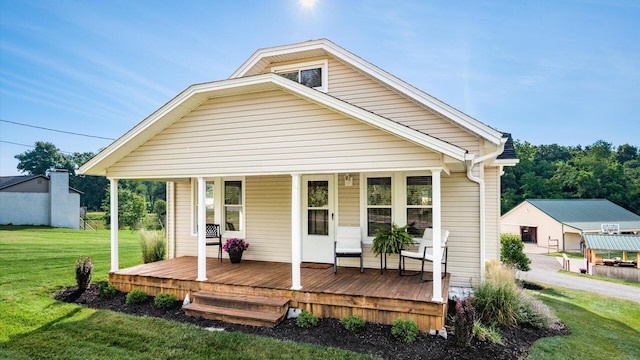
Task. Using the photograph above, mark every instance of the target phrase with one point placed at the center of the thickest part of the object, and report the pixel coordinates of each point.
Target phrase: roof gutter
(470, 164)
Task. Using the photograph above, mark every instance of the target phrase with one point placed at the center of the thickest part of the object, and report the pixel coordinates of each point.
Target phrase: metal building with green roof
(565, 221)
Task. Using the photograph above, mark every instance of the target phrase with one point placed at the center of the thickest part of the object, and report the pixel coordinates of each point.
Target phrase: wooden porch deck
(379, 298)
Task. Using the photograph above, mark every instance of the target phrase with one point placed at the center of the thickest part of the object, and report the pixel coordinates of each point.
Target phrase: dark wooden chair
(213, 232)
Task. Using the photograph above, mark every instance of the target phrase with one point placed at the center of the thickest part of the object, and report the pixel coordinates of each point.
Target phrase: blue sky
(565, 72)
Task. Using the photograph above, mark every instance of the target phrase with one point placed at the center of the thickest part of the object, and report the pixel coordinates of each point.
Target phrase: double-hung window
(419, 204)
(312, 74)
(379, 204)
(233, 205)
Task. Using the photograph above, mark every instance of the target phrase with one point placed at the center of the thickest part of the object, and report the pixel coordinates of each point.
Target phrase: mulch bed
(375, 339)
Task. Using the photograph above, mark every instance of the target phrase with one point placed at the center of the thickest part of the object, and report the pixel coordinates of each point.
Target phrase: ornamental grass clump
(154, 246)
(533, 312)
(405, 330)
(496, 300)
(84, 268)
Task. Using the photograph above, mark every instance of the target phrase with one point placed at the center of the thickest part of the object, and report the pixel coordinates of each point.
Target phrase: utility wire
(31, 146)
(60, 131)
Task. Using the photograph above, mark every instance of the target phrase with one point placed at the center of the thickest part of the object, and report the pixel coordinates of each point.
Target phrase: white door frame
(318, 248)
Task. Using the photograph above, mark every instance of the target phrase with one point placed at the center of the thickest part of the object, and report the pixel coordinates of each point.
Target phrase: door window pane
(318, 222)
(318, 194)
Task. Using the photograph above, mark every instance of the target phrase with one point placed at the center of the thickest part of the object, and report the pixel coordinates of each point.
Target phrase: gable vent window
(311, 74)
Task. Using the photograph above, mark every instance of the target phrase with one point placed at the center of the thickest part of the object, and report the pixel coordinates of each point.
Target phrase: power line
(60, 131)
(31, 146)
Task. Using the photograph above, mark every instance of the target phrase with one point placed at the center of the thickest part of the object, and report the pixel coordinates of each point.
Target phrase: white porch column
(437, 235)
(296, 232)
(113, 206)
(202, 248)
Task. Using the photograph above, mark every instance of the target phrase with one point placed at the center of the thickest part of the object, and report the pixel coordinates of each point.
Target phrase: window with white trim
(209, 201)
(379, 203)
(233, 205)
(419, 204)
(312, 74)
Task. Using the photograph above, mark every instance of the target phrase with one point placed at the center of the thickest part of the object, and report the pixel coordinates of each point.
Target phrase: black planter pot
(235, 256)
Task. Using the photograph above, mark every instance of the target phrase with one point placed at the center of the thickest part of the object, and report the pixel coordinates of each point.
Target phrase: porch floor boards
(377, 297)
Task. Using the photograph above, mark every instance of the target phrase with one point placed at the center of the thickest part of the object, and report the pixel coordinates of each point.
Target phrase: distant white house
(39, 200)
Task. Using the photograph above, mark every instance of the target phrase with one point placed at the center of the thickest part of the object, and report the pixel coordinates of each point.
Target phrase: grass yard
(601, 327)
(36, 262)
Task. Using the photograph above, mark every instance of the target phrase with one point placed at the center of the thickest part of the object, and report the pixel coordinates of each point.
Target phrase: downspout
(470, 164)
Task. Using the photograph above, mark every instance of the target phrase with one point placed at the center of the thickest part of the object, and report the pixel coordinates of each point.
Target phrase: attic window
(312, 74)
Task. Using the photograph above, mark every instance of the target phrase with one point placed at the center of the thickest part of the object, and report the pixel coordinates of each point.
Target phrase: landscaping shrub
(533, 312)
(484, 333)
(84, 268)
(405, 330)
(154, 246)
(512, 252)
(106, 290)
(164, 301)
(353, 323)
(136, 297)
(463, 322)
(496, 300)
(306, 320)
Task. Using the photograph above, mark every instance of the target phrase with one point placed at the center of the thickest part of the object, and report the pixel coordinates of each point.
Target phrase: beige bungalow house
(304, 138)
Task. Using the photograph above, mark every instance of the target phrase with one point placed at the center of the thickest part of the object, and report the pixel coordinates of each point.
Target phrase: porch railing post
(202, 249)
(296, 233)
(113, 206)
(437, 235)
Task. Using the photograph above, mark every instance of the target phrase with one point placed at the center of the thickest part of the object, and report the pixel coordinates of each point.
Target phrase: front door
(317, 219)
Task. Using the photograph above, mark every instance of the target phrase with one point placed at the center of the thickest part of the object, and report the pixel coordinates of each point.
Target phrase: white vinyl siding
(272, 132)
(358, 89)
(349, 201)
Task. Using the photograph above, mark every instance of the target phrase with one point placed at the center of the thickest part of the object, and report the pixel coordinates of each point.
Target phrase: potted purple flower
(235, 247)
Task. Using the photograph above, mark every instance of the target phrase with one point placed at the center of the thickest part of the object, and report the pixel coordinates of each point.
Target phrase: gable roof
(322, 47)
(195, 95)
(616, 242)
(9, 181)
(587, 214)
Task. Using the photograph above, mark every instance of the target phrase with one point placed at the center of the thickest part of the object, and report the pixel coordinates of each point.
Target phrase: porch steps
(238, 308)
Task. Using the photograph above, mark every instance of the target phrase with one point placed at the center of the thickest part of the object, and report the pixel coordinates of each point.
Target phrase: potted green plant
(389, 240)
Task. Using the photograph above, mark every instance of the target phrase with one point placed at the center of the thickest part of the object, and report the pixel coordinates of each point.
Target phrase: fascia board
(402, 87)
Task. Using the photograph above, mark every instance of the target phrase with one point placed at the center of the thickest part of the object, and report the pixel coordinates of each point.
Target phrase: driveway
(544, 270)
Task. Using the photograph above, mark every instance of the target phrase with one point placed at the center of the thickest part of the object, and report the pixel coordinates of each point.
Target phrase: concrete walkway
(544, 270)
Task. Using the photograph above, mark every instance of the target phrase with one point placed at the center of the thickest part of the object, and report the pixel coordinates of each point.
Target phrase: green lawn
(36, 262)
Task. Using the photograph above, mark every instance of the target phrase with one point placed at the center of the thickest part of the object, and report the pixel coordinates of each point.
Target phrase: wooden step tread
(267, 316)
(252, 299)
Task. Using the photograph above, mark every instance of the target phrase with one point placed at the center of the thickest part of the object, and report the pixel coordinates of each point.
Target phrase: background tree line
(135, 197)
(596, 171)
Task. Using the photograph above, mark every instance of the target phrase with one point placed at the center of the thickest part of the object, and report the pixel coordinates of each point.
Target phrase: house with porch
(299, 140)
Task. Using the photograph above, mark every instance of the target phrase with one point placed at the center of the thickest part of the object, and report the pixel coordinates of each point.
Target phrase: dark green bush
(353, 323)
(512, 252)
(306, 320)
(84, 268)
(106, 290)
(136, 297)
(164, 301)
(405, 330)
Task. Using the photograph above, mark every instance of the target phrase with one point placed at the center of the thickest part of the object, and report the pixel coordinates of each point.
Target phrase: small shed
(619, 266)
